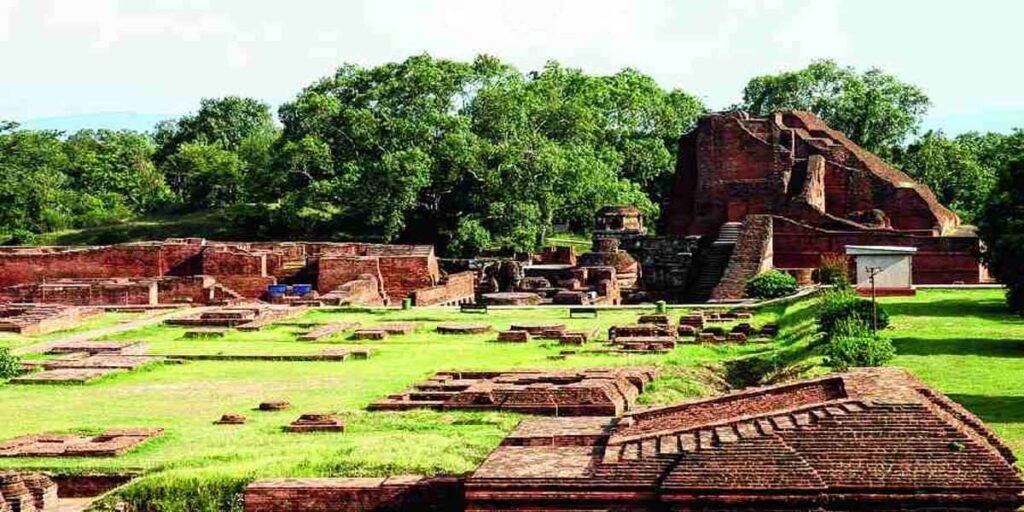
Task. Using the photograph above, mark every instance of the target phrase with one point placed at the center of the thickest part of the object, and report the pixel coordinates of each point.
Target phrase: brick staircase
(712, 263)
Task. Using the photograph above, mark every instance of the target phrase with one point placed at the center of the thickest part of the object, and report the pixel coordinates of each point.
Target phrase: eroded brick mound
(464, 328)
(43, 489)
(655, 319)
(369, 334)
(639, 331)
(274, 405)
(231, 419)
(115, 361)
(513, 336)
(590, 392)
(655, 344)
(110, 443)
(316, 422)
(870, 439)
(16, 494)
(392, 494)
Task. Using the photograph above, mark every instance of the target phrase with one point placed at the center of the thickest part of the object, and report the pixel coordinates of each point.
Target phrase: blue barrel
(302, 289)
(277, 290)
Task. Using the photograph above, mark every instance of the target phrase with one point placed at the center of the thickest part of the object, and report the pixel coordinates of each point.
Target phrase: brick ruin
(779, 192)
(27, 492)
(110, 443)
(33, 319)
(590, 392)
(202, 271)
(868, 439)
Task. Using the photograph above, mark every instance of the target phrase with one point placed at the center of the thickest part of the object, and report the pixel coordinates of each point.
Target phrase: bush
(834, 269)
(837, 306)
(10, 365)
(771, 284)
(471, 238)
(845, 351)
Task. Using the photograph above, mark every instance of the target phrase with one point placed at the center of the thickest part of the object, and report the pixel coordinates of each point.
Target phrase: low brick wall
(455, 288)
(393, 494)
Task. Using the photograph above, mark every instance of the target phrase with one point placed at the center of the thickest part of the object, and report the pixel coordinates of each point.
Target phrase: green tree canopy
(1001, 227)
(873, 108)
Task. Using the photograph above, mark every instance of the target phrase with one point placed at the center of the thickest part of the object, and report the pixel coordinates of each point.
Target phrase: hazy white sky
(63, 58)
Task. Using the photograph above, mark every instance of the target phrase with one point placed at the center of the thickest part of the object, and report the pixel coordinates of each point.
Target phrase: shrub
(846, 351)
(837, 306)
(10, 365)
(834, 269)
(771, 284)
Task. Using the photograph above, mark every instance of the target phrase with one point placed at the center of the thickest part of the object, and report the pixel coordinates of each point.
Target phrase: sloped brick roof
(870, 434)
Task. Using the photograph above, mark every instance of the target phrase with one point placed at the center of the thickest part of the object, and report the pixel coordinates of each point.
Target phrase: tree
(116, 165)
(874, 109)
(1001, 228)
(951, 168)
(208, 175)
(227, 122)
(33, 196)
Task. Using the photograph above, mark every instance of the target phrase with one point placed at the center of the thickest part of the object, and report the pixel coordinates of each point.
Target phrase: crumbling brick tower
(785, 189)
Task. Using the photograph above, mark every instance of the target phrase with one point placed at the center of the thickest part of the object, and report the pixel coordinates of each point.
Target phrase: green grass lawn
(967, 346)
(962, 343)
(186, 399)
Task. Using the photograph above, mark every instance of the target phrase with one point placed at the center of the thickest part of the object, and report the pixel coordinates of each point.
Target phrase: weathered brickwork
(828, 192)
(391, 494)
(588, 392)
(869, 439)
(752, 254)
(196, 270)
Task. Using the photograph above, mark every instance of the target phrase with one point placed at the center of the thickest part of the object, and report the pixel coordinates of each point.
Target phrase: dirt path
(107, 331)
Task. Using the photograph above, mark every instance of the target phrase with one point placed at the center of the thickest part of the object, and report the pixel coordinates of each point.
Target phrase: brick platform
(464, 328)
(869, 439)
(654, 344)
(587, 392)
(97, 347)
(395, 328)
(274, 405)
(369, 334)
(66, 376)
(111, 443)
(34, 319)
(327, 330)
(538, 329)
(639, 330)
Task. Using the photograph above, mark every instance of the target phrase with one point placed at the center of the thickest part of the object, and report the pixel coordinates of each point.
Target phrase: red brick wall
(939, 260)
(250, 287)
(455, 287)
(395, 494)
(30, 266)
(179, 289)
(401, 275)
(335, 271)
(221, 262)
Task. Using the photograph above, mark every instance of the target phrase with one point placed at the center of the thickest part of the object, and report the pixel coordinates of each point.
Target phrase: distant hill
(108, 120)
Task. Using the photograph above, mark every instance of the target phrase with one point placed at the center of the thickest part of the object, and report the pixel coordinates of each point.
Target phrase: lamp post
(872, 272)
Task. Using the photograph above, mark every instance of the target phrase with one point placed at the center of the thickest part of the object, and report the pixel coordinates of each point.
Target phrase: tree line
(469, 155)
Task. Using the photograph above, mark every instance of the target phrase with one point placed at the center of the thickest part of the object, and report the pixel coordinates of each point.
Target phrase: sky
(75, 63)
